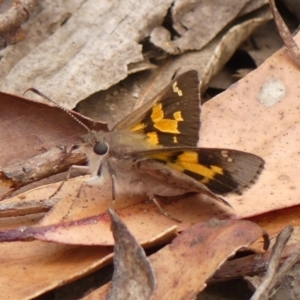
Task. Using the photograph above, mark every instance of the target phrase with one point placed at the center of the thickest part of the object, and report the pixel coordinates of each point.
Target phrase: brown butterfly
(154, 150)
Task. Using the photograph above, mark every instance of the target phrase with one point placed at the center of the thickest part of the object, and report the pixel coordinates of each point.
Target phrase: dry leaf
(133, 275)
(40, 266)
(196, 23)
(31, 269)
(76, 220)
(115, 48)
(259, 114)
(112, 105)
(105, 39)
(35, 136)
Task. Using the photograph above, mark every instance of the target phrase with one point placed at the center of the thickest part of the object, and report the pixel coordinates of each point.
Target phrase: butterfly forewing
(172, 118)
(221, 170)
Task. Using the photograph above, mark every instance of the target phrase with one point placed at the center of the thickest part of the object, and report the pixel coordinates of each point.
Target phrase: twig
(285, 34)
(271, 277)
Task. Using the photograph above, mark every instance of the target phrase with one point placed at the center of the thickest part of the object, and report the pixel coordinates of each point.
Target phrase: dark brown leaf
(133, 276)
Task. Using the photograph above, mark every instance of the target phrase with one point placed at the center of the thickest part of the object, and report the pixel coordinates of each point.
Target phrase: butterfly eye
(101, 148)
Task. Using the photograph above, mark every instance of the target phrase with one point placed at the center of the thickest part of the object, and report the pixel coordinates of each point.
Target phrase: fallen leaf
(193, 21)
(36, 269)
(30, 269)
(58, 78)
(121, 28)
(32, 132)
(259, 114)
(133, 275)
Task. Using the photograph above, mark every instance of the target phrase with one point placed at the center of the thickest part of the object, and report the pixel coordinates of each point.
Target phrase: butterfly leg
(177, 179)
(83, 169)
(113, 184)
(155, 201)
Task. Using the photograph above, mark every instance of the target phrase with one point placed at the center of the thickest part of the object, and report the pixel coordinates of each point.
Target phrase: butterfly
(153, 150)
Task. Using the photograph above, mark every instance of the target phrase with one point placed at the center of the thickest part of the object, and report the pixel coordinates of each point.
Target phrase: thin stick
(270, 278)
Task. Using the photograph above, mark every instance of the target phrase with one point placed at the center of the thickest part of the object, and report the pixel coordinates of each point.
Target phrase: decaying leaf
(193, 23)
(133, 275)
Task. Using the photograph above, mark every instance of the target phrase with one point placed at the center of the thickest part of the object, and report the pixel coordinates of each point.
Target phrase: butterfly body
(154, 150)
(129, 177)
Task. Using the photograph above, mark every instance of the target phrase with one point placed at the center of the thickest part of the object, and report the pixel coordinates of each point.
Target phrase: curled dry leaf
(210, 244)
(194, 256)
(285, 34)
(225, 44)
(133, 275)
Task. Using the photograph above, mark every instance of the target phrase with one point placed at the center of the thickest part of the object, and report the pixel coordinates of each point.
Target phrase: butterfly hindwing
(221, 170)
(172, 118)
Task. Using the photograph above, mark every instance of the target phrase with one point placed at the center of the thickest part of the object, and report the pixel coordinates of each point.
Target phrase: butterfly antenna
(58, 105)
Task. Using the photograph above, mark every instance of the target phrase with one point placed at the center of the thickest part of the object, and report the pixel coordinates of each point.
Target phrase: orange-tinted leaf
(31, 269)
(76, 220)
(260, 114)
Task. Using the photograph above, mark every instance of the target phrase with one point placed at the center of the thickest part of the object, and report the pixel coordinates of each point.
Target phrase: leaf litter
(282, 61)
